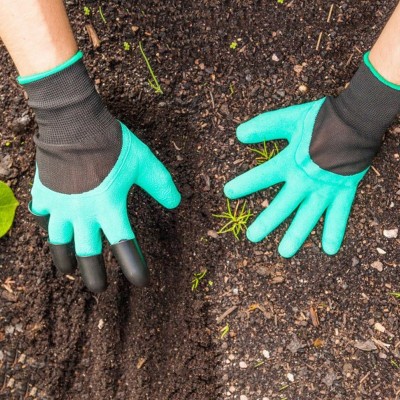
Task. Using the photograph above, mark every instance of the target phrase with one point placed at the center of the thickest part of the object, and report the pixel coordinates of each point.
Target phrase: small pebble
(242, 365)
(377, 265)
(212, 234)
(266, 354)
(391, 233)
(243, 397)
(101, 324)
(290, 377)
(275, 57)
(303, 89)
(232, 389)
(380, 251)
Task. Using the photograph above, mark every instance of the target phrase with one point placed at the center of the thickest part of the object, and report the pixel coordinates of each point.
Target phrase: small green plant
(265, 154)
(197, 278)
(395, 364)
(153, 82)
(8, 205)
(86, 10)
(102, 15)
(231, 89)
(396, 295)
(281, 1)
(259, 363)
(237, 219)
(224, 331)
(233, 45)
(127, 46)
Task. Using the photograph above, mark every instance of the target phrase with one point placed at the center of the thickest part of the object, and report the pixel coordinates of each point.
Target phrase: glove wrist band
(348, 129)
(77, 135)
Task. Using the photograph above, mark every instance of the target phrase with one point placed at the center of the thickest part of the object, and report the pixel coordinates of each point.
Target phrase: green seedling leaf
(86, 10)
(8, 205)
(127, 46)
(153, 82)
(233, 45)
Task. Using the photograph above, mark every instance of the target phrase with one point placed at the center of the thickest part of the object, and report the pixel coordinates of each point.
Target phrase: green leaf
(8, 205)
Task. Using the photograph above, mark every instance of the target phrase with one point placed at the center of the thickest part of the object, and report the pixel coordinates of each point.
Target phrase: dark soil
(58, 341)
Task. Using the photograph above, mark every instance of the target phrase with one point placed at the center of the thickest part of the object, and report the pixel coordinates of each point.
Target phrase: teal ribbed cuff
(24, 80)
(377, 74)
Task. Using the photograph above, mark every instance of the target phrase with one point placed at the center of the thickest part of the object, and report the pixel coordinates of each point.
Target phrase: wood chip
(226, 313)
(368, 345)
(314, 317)
(141, 362)
(330, 14)
(93, 36)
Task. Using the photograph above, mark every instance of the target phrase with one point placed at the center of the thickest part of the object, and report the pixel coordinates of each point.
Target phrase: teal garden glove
(332, 142)
(87, 162)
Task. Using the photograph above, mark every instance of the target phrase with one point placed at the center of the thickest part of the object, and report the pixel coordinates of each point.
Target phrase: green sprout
(102, 15)
(237, 220)
(396, 295)
(265, 154)
(394, 363)
(233, 45)
(153, 82)
(8, 205)
(259, 363)
(197, 278)
(231, 89)
(281, 1)
(224, 331)
(86, 10)
(127, 46)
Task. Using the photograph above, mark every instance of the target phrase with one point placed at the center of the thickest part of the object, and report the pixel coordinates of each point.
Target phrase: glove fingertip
(287, 251)
(330, 247)
(174, 200)
(254, 235)
(243, 133)
(229, 190)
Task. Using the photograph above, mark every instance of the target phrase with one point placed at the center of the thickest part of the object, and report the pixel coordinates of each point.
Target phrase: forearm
(36, 33)
(385, 55)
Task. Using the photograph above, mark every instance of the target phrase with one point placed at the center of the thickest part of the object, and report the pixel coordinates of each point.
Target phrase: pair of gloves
(87, 162)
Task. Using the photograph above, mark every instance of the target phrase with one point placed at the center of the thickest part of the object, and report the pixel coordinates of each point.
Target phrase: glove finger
(336, 219)
(258, 178)
(132, 262)
(307, 216)
(61, 244)
(41, 219)
(93, 272)
(88, 248)
(125, 248)
(285, 202)
(278, 124)
(155, 179)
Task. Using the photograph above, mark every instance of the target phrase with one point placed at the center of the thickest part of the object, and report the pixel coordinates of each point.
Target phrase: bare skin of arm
(37, 34)
(385, 55)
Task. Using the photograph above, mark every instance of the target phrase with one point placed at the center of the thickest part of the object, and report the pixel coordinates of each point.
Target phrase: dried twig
(226, 313)
(330, 14)
(93, 36)
(319, 41)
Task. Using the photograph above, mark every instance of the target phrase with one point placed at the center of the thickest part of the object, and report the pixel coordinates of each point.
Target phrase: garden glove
(332, 142)
(87, 162)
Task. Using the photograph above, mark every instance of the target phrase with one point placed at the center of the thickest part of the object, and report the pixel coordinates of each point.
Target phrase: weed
(265, 154)
(224, 331)
(281, 1)
(237, 220)
(233, 45)
(127, 46)
(86, 10)
(231, 89)
(153, 82)
(396, 295)
(102, 15)
(259, 363)
(197, 278)
(394, 363)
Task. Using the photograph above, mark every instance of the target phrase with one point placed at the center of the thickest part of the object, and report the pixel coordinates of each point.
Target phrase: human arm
(86, 160)
(331, 145)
